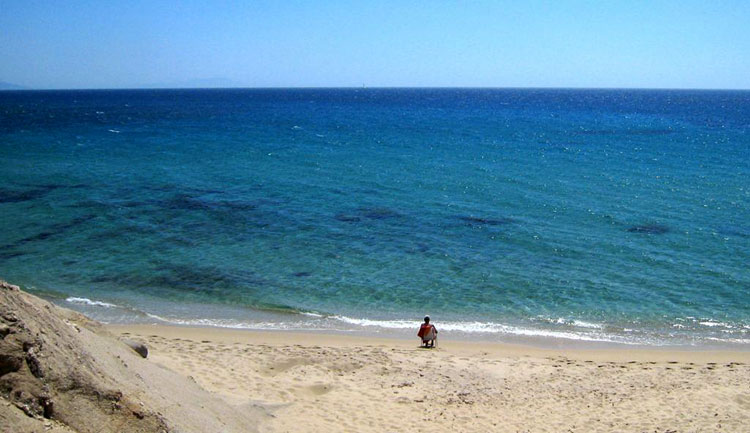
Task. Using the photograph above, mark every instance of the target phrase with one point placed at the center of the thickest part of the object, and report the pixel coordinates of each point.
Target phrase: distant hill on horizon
(10, 86)
(205, 83)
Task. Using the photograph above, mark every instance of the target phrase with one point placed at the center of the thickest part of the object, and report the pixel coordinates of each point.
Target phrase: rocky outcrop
(60, 371)
(137, 346)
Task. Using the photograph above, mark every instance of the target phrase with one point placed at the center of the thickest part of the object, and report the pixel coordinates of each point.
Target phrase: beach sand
(315, 382)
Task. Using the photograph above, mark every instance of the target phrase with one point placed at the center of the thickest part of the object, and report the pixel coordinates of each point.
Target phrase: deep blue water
(612, 215)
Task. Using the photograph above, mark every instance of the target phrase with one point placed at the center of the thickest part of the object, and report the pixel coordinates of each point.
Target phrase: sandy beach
(63, 372)
(324, 383)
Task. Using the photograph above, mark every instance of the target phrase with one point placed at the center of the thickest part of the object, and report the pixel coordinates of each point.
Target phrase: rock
(139, 348)
(7, 286)
(32, 360)
(9, 363)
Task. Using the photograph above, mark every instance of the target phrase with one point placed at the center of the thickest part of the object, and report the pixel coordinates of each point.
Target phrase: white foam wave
(310, 314)
(467, 327)
(486, 328)
(582, 324)
(390, 324)
(573, 322)
(232, 324)
(712, 324)
(730, 340)
(87, 301)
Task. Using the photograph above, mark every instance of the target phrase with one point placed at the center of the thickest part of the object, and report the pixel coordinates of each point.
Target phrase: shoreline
(252, 320)
(618, 353)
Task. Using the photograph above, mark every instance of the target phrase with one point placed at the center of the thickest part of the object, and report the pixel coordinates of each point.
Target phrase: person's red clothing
(424, 329)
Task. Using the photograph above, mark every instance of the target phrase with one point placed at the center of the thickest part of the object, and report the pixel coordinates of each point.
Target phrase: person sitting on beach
(428, 333)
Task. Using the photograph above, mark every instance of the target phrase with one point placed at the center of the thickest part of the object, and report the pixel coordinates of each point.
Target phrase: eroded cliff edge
(62, 372)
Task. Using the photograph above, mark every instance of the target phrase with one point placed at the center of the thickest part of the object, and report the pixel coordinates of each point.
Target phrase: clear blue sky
(112, 44)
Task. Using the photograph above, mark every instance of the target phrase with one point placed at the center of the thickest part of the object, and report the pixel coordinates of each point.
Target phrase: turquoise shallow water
(596, 215)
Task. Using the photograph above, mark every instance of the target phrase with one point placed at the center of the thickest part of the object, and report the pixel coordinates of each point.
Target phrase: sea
(543, 216)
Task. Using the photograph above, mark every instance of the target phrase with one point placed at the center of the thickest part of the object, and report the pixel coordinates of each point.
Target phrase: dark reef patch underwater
(652, 229)
(596, 215)
(472, 220)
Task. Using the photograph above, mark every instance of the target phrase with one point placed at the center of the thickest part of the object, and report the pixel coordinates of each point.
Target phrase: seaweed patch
(472, 220)
(187, 202)
(185, 279)
(11, 196)
(378, 213)
(348, 218)
(38, 191)
(10, 254)
(651, 229)
(53, 230)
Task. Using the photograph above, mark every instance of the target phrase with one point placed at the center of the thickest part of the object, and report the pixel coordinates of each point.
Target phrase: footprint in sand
(318, 389)
(279, 367)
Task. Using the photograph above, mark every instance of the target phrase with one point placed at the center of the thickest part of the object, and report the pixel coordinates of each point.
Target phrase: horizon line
(42, 89)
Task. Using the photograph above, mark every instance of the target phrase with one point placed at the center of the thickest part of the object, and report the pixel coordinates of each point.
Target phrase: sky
(405, 43)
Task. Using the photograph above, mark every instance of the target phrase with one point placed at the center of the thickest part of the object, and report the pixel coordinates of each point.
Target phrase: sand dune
(62, 372)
